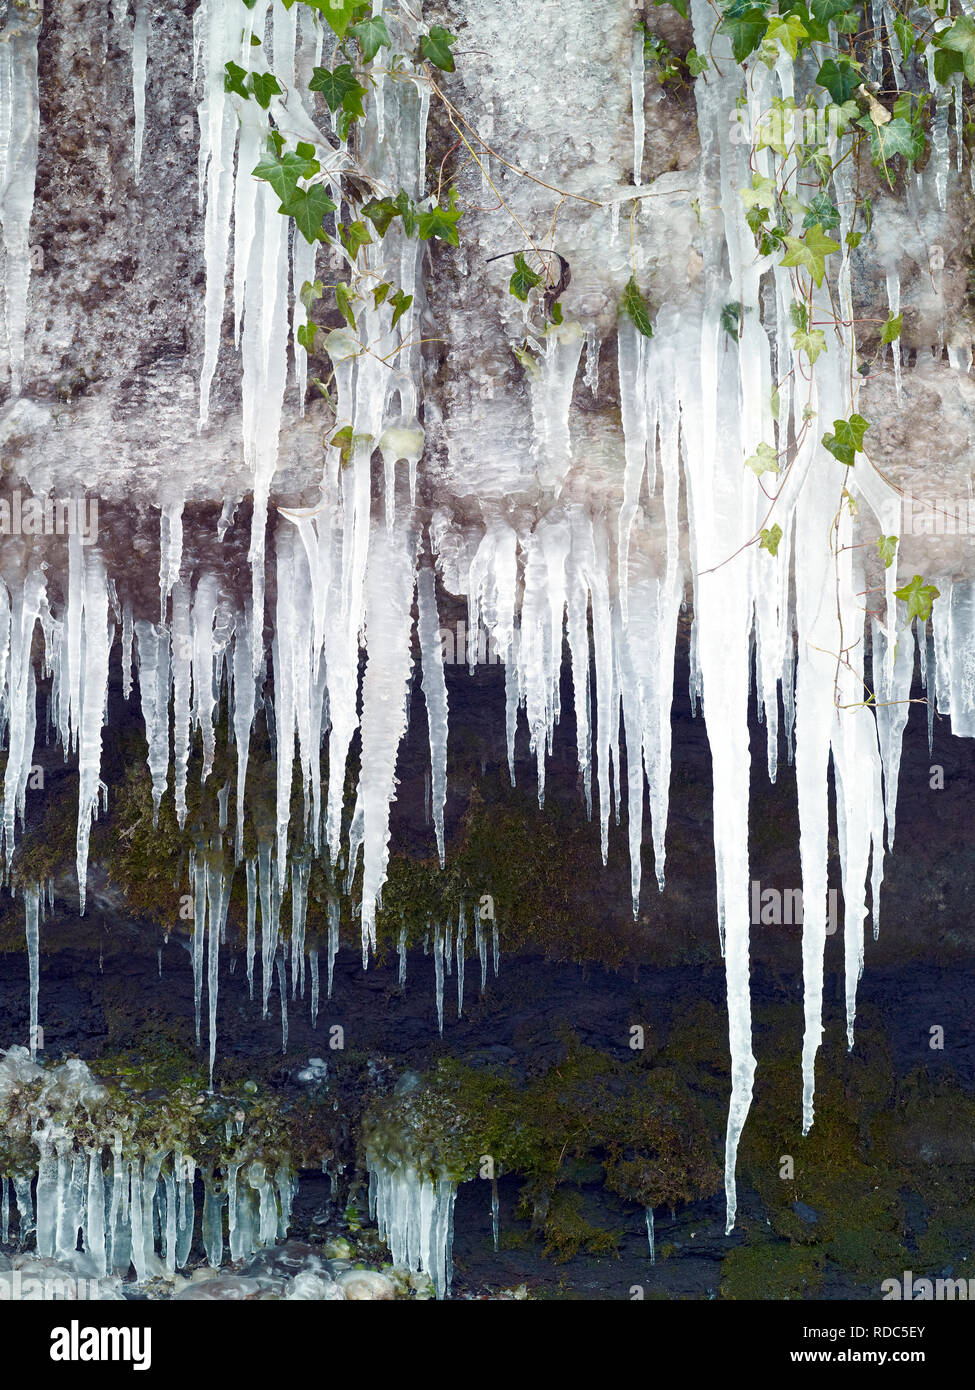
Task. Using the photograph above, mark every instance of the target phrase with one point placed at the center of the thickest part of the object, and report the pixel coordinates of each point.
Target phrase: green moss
(770, 1270)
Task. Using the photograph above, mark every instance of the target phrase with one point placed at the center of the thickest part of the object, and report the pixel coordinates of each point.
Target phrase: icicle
(31, 895)
(435, 694)
(251, 868)
(313, 968)
(334, 912)
(894, 301)
(93, 696)
(140, 34)
(283, 987)
(438, 955)
(19, 124)
(401, 952)
(461, 944)
(650, 1240)
(637, 79)
(414, 1215)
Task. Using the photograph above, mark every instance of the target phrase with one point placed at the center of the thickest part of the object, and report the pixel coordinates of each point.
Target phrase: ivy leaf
(343, 440)
(898, 136)
(906, 36)
(380, 212)
(696, 64)
(265, 86)
(338, 87)
(407, 210)
(310, 294)
(234, 80)
(960, 39)
(763, 460)
(635, 307)
(372, 35)
(746, 30)
(343, 298)
(887, 549)
(731, 320)
(825, 10)
(400, 302)
(821, 210)
(789, 31)
(811, 252)
(282, 172)
(853, 239)
(379, 293)
(841, 77)
(441, 222)
(770, 539)
(812, 343)
(436, 46)
(679, 5)
(919, 597)
(891, 330)
(339, 14)
(523, 279)
(309, 210)
(761, 194)
(847, 439)
(306, 336)
(354, 237)
(556, 313)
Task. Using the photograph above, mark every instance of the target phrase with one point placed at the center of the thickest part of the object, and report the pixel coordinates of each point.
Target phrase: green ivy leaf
(821, 210)
(635, 307)
(841, 77)
(400, 302)
(919, 597)
(306, 336)
(891, 330)
(310, 294)
(234, 80)
(731, 320)
(812, 343)
(897, 136)
(887, 549)
(556, 313)
(770, 539)
(746, 29)
(810, 252)
(679, 5)
(372, 35)
(407, 210)
(960, 39)
(339, 88)
(309, 210)
(343, 298)
(379, 293)
(435, 48)
(763, 460)
(906, 35)
(265, 86)
(282, 172)
(762, 193)
(441, 222)
(354, 237)
(695, 63)
(787, 30)
(846, 439)
(523, 279)
(339, 14)
(381, 212)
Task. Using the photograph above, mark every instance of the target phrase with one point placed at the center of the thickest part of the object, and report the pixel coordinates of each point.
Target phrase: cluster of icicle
(414, 1214)
(126, 1209)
